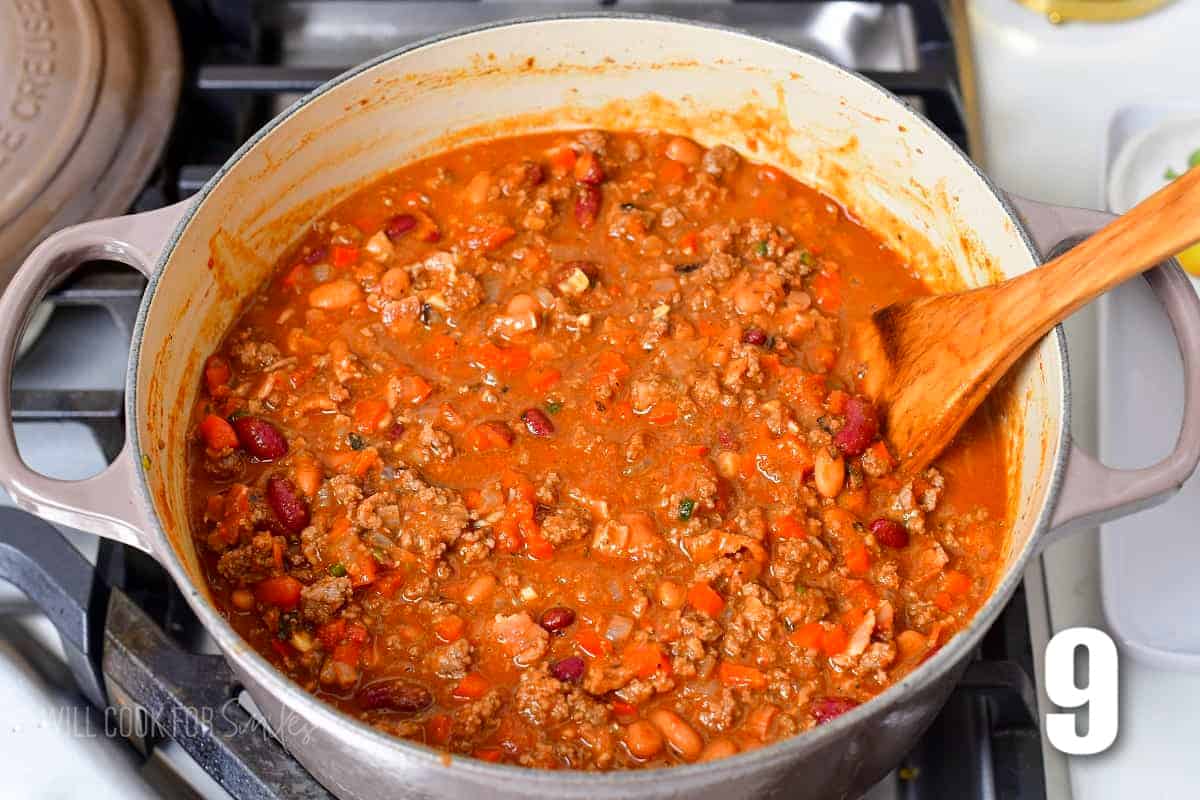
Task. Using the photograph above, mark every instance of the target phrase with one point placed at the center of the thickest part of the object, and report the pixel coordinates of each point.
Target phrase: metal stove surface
(243, 64)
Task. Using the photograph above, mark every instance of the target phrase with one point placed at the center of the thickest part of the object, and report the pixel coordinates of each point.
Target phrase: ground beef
(792, 558)
(603, 677)
(431, 517)
(566, 524)
(434, 444)
(251, 562)
(225, 466)
(804, 606)
(543, 700)
(252, 355)
(718, 710)
(720, 160)
(475, 716)
(323, 599)
(547, 491)
(453, 660)
(750, 619)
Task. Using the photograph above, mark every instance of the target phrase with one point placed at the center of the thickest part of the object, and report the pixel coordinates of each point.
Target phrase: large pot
(828, 127)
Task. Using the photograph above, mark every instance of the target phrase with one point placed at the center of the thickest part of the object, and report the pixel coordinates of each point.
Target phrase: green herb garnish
(1170, 174)
(356, 441)
(806, 258)
(761, 248)
(686, 506)
(337, 570)
(553, 406)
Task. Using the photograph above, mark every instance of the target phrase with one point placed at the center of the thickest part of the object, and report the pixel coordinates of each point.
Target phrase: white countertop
(1047, 95)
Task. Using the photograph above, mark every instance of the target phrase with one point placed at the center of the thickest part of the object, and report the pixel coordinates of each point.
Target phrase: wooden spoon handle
(1155, 229)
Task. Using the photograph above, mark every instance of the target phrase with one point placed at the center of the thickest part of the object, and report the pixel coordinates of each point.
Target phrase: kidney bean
(557, 619)
(889, 533)
(587, 206)
(568, 670)
(399, 225)
(755, 336)
(861, 428)
(289, 508)
(260, 438)
(827, 708)
(394, 695)
(537, 423)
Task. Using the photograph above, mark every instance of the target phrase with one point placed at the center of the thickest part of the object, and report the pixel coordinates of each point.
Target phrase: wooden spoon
(931, 361)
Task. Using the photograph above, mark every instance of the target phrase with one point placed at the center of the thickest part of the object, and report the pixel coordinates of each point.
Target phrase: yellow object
(1190, 260)
(1058, 11)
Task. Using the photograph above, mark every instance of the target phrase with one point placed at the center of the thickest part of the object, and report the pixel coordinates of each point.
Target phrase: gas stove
(130, 697)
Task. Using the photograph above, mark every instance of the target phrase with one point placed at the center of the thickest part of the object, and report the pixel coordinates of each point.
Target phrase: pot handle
(103, 504)
(1091, 492)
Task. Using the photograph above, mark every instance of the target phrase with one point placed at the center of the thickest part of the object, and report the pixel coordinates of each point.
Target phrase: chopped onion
(619, 627)
(544, 297)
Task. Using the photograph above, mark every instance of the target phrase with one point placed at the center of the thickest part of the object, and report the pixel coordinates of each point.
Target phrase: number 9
(1100, 694)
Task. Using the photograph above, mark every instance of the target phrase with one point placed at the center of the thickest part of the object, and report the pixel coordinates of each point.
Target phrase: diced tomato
(836, 401)
(368, 414)
(592, 643)
(450, 629)
(283, 649)
(472, 687)
(612, 364)
(437, 730)
(294, 276)
(388, 583)
(342, 256)
(491, 754)
(788, 527)
(740, 676)
(834, 641)
(362, 568)
(705, 599)
(216, 376)
(672, 171)
(543, 379)
(537, 546)
(283, 592)
(490, 436)
(509, 360)
(624, 712)
(689, 243)
(943, 601)
(956, 583)
(508, 536)
(827, 291)
(331, 633)
(663, 413)
(858, 559)
(494, 237)
(562, 160)
(809, 635)
(217, 433)
(646, 659)
(414, 389)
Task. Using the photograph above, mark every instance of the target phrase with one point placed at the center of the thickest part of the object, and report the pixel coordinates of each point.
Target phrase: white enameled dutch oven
(827, 127)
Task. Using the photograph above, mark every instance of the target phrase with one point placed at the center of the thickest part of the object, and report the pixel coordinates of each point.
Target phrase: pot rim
(292, 695)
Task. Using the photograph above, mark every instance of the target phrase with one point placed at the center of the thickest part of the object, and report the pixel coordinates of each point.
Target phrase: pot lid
(87, 95)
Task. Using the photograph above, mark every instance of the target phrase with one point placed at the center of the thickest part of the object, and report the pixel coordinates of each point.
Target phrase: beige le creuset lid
(88, 90)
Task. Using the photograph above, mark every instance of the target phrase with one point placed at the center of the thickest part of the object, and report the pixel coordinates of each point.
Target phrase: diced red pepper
(217, 433)
(283, 592)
